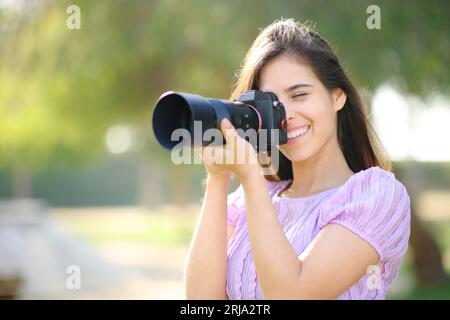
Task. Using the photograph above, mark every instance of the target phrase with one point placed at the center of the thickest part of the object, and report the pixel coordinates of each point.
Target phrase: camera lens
(185, 120)
(176, 110)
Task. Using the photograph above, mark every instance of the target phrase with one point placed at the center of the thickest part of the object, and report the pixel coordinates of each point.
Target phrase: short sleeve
(376, 207)
(235, 204)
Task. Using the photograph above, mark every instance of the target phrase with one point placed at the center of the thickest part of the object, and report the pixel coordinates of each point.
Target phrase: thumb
(228, 131)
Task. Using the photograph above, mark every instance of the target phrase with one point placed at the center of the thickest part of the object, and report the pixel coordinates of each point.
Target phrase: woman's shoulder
(373, 194)
(372, 182)
(374, 205)
(362, 184)
(368, 194)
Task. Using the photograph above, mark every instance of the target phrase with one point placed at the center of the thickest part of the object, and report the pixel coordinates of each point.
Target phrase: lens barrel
(179, 110)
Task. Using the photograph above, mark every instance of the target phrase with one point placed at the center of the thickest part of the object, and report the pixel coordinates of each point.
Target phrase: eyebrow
(296, 86)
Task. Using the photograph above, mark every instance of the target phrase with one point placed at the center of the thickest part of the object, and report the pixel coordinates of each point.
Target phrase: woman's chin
(296, 155)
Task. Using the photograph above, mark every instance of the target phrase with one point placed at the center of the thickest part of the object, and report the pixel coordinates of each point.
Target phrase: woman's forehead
(284, 72)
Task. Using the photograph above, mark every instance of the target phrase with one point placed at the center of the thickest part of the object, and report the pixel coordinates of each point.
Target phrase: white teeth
(296, 133)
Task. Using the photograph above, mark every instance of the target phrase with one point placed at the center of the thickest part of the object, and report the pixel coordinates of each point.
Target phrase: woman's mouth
(297, 134)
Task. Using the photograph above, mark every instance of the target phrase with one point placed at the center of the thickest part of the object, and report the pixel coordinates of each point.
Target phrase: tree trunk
(426, 255)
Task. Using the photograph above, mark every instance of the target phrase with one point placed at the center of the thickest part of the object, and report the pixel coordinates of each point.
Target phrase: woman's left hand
(237, 155)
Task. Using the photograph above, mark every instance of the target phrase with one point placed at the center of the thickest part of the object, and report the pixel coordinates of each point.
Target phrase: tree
(60, 89)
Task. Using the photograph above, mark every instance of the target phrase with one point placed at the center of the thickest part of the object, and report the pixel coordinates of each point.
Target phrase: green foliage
(61, 89)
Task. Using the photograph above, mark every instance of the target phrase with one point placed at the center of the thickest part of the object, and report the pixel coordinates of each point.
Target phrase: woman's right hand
(208, 155)
(237, 155)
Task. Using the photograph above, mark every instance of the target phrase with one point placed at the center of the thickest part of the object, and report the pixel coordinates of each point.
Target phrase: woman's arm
(206, 267)
(332, 263)
(277, 264)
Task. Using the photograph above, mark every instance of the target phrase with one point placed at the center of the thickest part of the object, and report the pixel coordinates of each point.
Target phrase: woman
(334, 223)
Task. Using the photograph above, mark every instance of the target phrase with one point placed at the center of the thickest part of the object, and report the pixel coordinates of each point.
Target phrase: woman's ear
(339, 98)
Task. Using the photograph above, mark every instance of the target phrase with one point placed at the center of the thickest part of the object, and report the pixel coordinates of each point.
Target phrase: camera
(259, 115)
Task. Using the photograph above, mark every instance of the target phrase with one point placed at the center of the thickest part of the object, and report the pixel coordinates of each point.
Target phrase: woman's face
(310, 107)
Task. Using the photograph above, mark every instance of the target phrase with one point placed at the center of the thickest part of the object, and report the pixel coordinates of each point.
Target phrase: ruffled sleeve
(376, 207)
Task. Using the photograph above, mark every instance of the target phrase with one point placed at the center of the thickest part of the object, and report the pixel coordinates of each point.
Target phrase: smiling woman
(336, 224)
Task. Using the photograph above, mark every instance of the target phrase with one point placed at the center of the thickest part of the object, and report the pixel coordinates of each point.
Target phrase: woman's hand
(237, 155)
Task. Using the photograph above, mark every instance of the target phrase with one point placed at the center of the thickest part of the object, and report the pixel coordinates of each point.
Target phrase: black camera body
(259, 115)
(272, 114)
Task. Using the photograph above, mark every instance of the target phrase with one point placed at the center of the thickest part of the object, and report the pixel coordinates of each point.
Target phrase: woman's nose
(289, 113)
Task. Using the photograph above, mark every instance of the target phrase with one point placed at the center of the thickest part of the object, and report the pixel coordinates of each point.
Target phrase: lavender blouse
(371, 203)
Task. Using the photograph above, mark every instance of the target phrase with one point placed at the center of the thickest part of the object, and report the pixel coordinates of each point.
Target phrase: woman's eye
(299, 95)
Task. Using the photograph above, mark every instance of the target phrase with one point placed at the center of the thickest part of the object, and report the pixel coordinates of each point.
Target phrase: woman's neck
(326, 170)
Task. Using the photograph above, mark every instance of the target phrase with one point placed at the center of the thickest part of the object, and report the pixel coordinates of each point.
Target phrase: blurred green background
(83, 182)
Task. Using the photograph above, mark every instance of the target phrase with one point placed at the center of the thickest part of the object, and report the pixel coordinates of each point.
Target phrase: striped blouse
(371, 203)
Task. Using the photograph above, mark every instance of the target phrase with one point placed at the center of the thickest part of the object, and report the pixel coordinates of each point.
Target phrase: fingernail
(227, 123)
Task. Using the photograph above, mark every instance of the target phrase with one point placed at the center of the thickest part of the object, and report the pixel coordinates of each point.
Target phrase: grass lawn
(166, 226)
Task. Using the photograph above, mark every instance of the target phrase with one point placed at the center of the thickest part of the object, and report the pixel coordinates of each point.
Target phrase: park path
(43, 251)
(109, 271)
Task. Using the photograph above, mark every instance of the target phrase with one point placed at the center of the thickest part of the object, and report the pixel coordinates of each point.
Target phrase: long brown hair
(356, 137)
